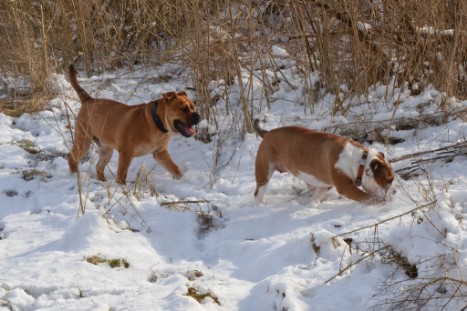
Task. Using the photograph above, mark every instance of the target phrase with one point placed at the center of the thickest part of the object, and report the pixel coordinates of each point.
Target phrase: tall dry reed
(354, 43)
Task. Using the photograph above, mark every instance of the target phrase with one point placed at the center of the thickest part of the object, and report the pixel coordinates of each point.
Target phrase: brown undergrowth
(353, 43)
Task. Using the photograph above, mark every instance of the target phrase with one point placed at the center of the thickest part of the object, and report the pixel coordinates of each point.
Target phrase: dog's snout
(389, 193)
(195, 118)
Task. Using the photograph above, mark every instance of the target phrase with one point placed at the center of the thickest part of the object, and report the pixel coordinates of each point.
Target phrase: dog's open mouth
(183, 129)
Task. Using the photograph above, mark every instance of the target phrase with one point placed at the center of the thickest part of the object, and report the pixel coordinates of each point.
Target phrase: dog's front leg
(164, 158)
(345, 186)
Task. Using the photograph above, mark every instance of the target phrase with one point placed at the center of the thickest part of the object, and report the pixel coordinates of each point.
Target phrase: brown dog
(131, 130)
(323, 161)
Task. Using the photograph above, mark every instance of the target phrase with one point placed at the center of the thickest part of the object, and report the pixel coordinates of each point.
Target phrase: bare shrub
(354, 43)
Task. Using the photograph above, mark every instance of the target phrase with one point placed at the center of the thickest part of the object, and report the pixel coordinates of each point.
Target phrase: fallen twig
(454, 146)
(370, 130)
(446, 154)
(388, 219)
(354, 264)
(184, 202)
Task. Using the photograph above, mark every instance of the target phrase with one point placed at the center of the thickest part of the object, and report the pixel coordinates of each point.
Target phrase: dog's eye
(185, 109)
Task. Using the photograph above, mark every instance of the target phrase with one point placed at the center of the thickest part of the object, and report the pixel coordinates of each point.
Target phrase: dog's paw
(315, 203)
(177, 176)
(376, 201)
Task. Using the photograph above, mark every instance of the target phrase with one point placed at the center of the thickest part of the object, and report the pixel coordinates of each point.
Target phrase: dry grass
(113, 263)
(353, 43)
(198, 296)
(16, 105)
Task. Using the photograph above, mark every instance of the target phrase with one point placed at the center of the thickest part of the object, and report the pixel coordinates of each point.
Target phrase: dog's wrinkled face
(180, 113)
(379, 179)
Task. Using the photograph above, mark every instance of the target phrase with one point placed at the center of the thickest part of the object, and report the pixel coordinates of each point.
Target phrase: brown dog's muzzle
(194, 119)
(186, 129)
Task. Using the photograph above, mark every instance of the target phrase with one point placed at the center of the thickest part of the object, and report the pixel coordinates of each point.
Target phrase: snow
(285, 254)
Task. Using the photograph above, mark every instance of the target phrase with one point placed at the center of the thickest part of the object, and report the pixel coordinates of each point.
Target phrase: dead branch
(446, 154)
(431, 204)
(456, 148)
(183, 202)
(355, 263)
(371, 131)
(416, 293)
(389, 255)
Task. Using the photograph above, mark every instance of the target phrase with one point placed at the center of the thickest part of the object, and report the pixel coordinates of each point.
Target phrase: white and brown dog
(131, 130)
(323, 161)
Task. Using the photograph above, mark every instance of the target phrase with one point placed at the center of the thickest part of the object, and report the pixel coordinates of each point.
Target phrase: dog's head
(378, 176)
(180, 114)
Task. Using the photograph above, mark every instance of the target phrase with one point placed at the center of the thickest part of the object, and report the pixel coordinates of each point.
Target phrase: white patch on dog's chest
(311, 180)
(349, 160)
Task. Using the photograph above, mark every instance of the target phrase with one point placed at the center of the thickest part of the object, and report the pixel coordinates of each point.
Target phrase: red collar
(361, 167)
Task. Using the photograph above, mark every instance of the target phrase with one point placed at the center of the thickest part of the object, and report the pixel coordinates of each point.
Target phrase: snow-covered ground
(217, 244)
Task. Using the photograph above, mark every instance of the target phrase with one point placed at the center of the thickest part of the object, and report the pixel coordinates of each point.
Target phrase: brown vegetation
(357, 43)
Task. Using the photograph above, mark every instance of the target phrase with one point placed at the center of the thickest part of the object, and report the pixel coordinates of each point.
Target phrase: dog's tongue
(189, 131)
(185, 130)
(192, 131)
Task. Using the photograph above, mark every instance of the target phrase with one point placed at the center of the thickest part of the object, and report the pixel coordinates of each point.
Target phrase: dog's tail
(83, 95)
(258, 129)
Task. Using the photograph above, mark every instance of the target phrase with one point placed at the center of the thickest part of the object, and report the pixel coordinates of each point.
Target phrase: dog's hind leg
(105, 154)
(318, 194)
(81, 143)
(263, 172)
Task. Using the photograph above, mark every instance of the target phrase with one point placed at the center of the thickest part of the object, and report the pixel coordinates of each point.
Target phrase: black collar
(156, 118)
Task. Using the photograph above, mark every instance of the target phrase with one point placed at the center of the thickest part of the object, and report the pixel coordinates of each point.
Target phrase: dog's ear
(381, 155)
(169, 95)
(375, 168)
(375, 165)
(382, 172)
(182, 93)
